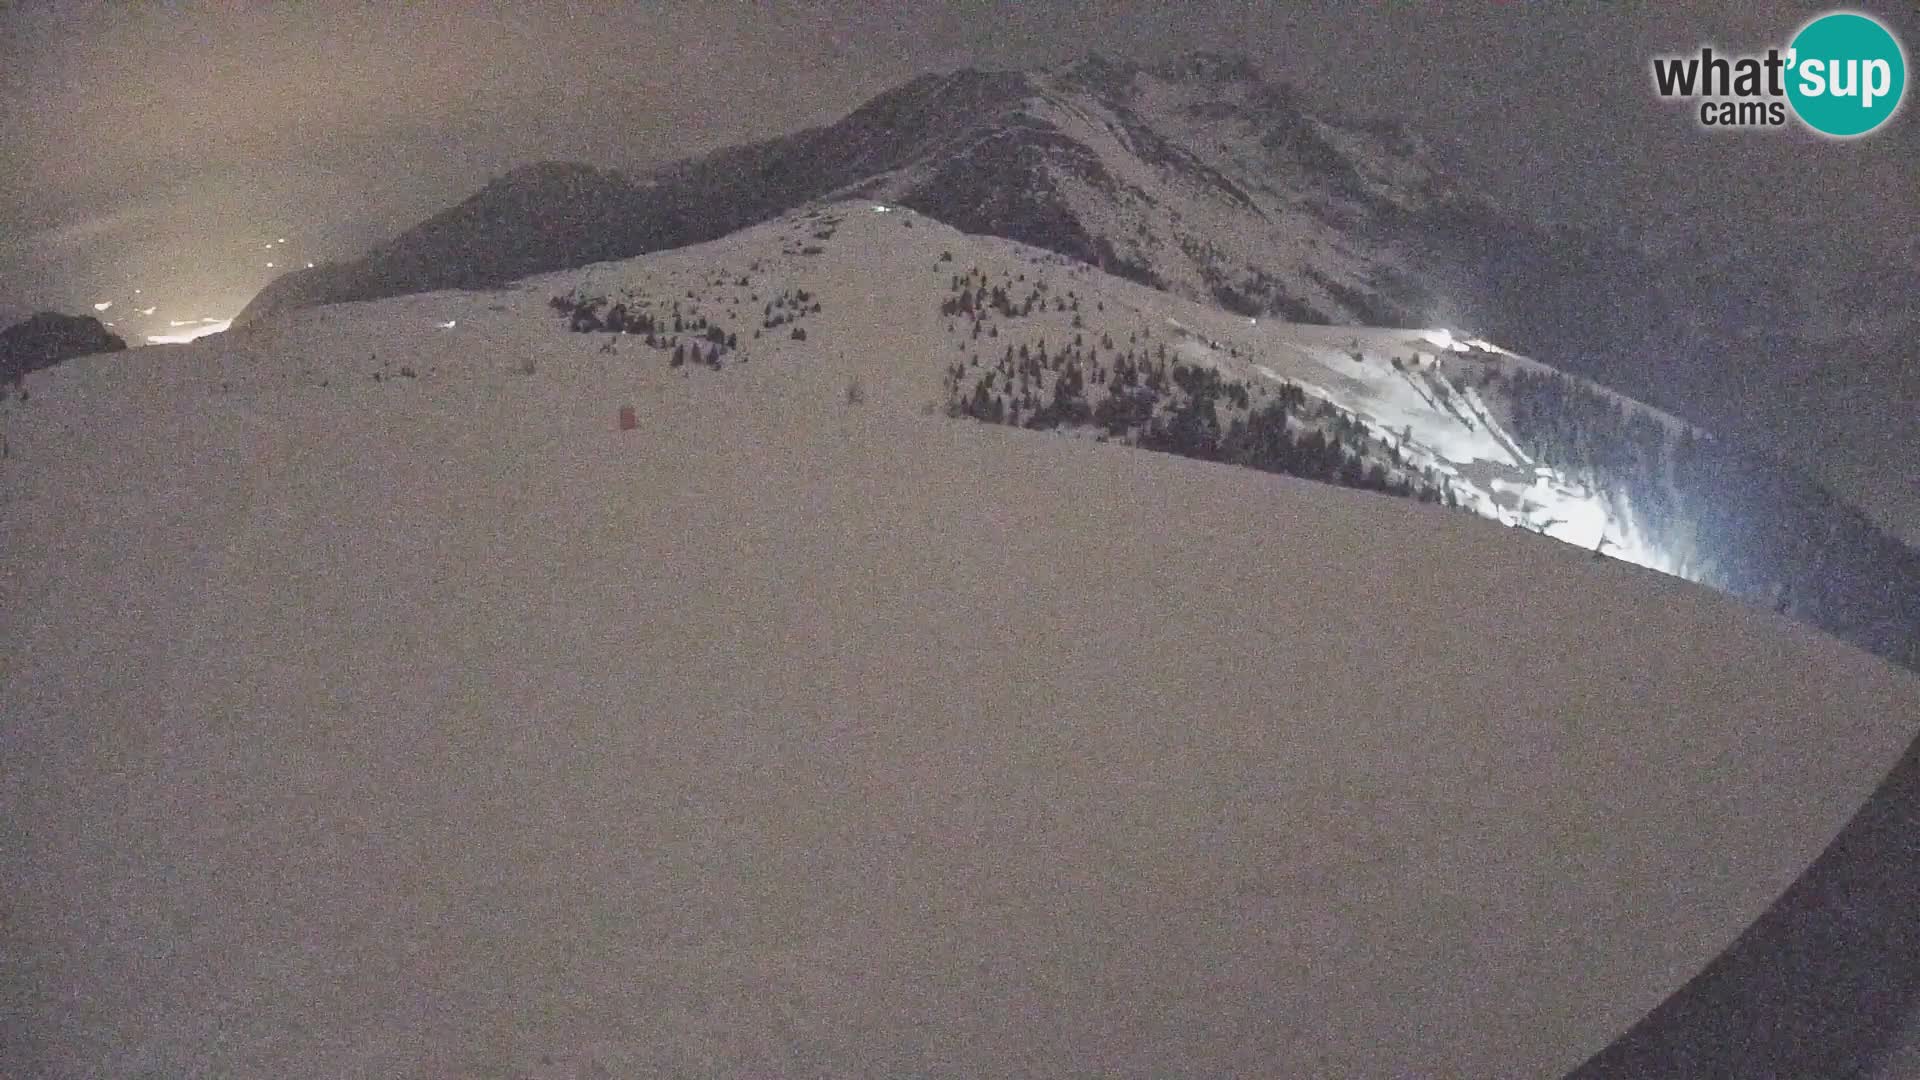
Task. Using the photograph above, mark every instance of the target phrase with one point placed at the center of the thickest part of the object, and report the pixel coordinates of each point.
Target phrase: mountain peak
(1132, 168)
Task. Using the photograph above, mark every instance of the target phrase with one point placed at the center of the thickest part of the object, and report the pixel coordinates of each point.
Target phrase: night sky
(169, 148)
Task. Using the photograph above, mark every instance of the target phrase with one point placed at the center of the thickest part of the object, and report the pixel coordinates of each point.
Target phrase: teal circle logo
(1846, 74)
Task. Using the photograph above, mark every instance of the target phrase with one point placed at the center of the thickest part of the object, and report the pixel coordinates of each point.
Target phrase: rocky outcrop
(47, 338)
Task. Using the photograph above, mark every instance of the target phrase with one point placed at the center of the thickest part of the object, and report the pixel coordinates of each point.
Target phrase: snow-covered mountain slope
(1214, 180)
(1426, 398)
(1416, 402)
(1204, 176)
(1200, 177)
(375, 705)
(1419, 411)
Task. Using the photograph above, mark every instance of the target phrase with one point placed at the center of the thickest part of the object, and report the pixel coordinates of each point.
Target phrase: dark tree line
(1176, 408)
(680, 335)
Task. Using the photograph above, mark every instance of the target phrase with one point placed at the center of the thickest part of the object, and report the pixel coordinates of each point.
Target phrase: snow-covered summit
(1199, 176)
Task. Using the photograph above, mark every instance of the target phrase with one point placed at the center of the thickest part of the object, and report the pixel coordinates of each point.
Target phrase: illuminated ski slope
(1413, 388)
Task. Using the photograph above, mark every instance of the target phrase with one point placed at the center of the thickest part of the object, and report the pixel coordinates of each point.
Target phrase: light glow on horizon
(201, 329)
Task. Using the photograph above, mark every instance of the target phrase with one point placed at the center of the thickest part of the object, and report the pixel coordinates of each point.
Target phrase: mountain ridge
(1203, 178)
(990, 169)
(1203, 175)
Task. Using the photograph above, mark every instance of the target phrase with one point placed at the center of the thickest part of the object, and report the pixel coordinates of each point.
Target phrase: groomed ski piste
(374, 704)
(1407, 387)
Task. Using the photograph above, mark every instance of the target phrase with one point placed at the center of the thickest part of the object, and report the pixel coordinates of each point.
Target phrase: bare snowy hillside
(375, 705)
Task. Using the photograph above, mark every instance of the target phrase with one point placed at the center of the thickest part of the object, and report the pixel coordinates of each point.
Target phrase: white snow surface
(1285, 216)
(1452, 428)
(434, 726)
(1429, 409)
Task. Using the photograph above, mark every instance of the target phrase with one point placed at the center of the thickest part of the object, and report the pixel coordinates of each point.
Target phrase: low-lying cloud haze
(168, 148)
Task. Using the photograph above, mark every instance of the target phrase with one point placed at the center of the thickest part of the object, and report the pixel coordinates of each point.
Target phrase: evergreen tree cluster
(814, 225)
(688, 337)
(973, 296)
(790, 306)
(1266, 439)
(1146, 399)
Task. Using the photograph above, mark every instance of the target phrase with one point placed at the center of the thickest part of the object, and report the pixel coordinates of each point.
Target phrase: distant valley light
(103, 305)
(201, 328)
